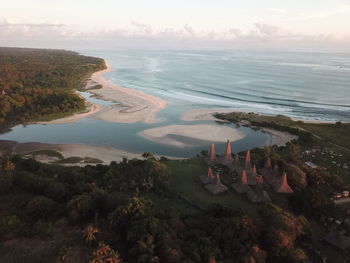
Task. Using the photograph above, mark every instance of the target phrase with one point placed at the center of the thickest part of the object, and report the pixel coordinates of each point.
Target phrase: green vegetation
(50, 153)
(135, 211)
(39, 84)
(337, 133)
(76, 160)
(184, 180)
(153, 210)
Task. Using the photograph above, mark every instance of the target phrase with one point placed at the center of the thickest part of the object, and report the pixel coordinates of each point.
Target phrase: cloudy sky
(175, 24)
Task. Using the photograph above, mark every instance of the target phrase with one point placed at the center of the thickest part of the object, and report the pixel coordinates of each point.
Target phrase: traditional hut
(241, 187)
(227, 159)
(212, 155)
(207, 178)
(252, 176)
(216, 187)
(247, 160)
(258, 195)
(283, 187)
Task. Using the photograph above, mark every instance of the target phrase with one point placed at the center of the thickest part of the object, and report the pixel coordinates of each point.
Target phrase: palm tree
(90, 234)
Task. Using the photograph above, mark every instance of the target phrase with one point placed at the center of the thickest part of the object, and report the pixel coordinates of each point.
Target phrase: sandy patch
(91, 108)
(191, 135)
(135, 106)
(205, 114)
(277, 137)
(105, 154)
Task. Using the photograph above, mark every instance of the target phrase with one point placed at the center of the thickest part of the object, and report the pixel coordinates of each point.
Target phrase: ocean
(306, 85)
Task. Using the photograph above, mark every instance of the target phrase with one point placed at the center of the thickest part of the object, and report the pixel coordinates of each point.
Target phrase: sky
(323, 24)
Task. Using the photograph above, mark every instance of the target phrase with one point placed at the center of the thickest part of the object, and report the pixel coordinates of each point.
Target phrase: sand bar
(276, 137)
(204, 114)
(105, 154)
(191, 135)
(134, 106)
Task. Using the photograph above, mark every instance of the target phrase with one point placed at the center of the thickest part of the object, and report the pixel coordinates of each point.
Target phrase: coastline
(133, 106)
(103, 153)
(206, 114)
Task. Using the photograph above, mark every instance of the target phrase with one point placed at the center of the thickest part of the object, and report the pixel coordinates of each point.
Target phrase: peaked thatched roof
(207, 178)
(241, 187)
(216, 187)
(283, 187)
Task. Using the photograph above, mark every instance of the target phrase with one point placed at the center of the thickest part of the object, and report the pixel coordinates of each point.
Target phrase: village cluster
(251, 182)
(320, 155)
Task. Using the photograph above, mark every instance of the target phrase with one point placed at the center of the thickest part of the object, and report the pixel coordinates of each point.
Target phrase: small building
(207, 178)
(227, 159)
(216, 187)
(241, 187)
(283, 187)
(248, 160)
(252, 176)
(311, 165)
(212, 155)
(258, 195)
(337, 240)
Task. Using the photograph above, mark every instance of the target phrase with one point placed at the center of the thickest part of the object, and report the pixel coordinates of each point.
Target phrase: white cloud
(143, 35)
(277, 10)
(327, 13)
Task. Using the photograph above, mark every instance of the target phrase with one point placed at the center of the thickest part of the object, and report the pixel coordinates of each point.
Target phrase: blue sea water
(306, 85)
(297, 84)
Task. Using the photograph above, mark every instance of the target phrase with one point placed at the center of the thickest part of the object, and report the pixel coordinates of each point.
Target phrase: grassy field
(184, 180)
(337, 133)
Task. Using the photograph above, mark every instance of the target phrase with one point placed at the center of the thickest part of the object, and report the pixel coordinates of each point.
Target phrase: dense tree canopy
(37, 82)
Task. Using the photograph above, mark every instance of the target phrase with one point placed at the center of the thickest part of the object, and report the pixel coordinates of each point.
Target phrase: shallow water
(124, 136)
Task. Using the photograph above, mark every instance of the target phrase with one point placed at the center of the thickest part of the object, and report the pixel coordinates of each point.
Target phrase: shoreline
(206, 114)
(104, 153)
(183, 136)
(133, 106)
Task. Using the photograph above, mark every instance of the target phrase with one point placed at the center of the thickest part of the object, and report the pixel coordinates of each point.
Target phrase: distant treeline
(40, 82)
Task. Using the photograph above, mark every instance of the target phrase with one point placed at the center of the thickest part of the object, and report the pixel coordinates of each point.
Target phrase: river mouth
(286, 83)
(125, 136)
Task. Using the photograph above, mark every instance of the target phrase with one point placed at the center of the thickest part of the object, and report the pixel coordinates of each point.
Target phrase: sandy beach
(191, 135)
(133, 106)
(105, 154)
(204, 114)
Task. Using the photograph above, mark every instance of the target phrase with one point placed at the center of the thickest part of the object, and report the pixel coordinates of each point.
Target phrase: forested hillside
(40, 82)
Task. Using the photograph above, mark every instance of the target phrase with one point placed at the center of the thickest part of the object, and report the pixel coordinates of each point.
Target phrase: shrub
(40, 207)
